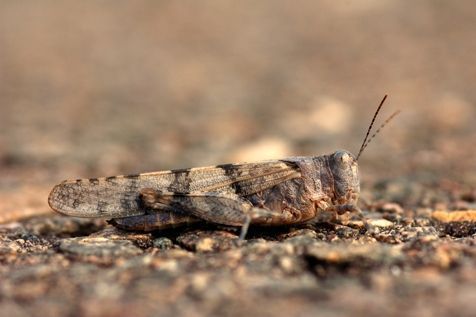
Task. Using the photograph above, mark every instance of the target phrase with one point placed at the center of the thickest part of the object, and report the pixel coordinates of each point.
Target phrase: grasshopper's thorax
(345, 177)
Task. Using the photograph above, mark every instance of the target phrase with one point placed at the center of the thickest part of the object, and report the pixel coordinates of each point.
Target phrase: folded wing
(119, 196)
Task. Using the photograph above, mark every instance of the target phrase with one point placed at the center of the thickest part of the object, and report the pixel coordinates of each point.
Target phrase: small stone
(207, 241)
(141, 239)
(301, 237)
(380, 223)
(98, 247)
(14, 246)
(428, 238)
(287, 264)
(454, 216)
(356, 224)
(392, 208)
(163, 243)
(422, 222)
(346, 232)
(9, 247)
(205, 245)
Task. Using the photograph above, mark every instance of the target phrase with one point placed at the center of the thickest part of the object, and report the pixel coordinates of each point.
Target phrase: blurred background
(92, 89)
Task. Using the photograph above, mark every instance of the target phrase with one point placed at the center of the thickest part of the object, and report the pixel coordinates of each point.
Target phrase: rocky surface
(378, 263)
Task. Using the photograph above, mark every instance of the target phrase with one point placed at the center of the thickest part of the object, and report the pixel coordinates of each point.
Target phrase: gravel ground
(103, 88)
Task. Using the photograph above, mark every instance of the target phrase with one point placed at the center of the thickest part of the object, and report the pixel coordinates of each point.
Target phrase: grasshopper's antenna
(376, 132)
(367, 140)
(370, 127)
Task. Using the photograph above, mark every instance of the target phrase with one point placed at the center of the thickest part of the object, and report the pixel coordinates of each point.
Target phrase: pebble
(98, 247)
(454, 216)
(379, 223)
(207, 241)
(392, 208)
(163, 243)
(205, 245)
(287, 264)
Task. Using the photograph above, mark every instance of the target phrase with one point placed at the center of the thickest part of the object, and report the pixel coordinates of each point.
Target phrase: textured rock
(98, 248)
(455, 216)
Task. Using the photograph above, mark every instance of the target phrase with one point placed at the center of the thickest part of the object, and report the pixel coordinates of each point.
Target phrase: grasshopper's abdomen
(158, 220)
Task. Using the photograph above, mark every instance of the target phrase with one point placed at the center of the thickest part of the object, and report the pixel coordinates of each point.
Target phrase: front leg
(342, 209)
(324, 203)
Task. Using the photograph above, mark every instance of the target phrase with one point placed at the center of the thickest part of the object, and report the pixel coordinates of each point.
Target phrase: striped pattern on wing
(118, 196)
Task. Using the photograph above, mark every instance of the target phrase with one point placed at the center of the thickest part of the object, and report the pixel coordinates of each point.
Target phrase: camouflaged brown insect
(270, 193)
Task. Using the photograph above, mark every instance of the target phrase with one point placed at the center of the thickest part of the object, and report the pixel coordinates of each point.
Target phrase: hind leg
(226, 209)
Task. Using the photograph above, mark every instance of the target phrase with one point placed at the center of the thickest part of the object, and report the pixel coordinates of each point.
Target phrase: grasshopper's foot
(255, 214)
(342, 209)
(244, 230)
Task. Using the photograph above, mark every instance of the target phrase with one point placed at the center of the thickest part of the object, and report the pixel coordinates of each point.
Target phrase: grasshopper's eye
(343, 158)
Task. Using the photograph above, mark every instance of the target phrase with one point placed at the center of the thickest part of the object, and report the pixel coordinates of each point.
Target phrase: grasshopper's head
(345, 172)
(344, 166)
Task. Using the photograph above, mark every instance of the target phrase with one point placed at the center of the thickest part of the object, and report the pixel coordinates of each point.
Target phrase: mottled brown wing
(119, 196)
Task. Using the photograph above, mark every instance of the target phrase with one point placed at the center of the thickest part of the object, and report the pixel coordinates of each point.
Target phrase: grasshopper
(269, 193)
